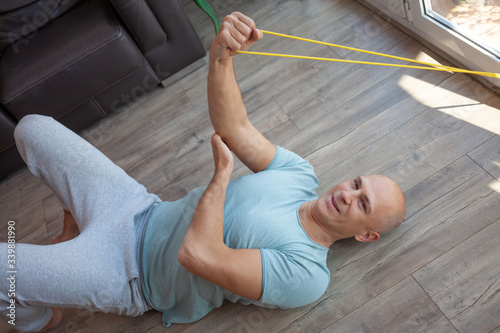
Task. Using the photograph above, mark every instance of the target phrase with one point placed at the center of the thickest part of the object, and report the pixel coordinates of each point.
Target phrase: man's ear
(370, 236)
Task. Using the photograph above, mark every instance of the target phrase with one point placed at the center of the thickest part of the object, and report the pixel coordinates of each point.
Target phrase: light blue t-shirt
(260, 212)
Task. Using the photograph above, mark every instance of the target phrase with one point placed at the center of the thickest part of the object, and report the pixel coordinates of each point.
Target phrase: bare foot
(70, 229)
(55, 320)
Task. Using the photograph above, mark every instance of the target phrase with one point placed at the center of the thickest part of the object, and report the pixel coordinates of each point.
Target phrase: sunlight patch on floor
(469, 104)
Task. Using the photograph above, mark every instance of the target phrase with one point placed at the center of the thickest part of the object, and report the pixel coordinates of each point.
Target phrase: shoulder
(292, 169)
(285, 158)
(288, 161)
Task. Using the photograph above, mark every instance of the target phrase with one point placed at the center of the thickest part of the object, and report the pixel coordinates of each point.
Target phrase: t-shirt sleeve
(288, 168)
(290, 283)
(286, 159)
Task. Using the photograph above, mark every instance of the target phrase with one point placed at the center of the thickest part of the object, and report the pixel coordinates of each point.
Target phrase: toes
(56, 319)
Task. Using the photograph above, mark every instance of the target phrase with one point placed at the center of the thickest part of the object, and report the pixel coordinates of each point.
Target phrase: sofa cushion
(10, 5)
(128, 91)
(141, 23)
(21, 19)
(67, 62)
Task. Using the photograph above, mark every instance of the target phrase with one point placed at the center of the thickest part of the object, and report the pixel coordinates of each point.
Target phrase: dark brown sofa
(79, 60)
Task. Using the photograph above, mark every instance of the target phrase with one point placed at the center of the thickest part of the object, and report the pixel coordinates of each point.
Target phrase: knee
(29, 125)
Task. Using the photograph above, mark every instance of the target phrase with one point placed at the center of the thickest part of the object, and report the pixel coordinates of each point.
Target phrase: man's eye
(364, 206)
(356, 186)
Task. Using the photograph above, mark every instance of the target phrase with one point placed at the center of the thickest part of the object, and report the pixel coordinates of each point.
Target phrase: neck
(316, 230)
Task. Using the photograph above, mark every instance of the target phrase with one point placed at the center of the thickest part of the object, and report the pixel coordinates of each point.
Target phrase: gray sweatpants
(99, 270)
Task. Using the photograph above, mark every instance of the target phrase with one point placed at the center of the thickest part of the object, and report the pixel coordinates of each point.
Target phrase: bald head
(392, 208)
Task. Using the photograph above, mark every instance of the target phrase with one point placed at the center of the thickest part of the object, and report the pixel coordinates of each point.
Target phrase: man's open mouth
(335, 204)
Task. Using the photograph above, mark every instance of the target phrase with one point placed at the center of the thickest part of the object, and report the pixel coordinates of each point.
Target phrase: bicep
(237, 270)
(251, 147)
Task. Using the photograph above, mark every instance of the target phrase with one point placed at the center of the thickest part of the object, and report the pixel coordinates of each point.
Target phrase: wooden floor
(435, 133)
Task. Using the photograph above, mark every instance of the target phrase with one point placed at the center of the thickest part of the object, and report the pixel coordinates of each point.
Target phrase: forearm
(227, 111)
(208, 220)
(204, 236)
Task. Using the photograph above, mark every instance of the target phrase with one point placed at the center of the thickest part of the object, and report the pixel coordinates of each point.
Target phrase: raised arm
(227, 111)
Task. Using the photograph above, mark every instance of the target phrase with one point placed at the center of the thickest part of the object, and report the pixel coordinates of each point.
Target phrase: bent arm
(227, 111)
(203, 251)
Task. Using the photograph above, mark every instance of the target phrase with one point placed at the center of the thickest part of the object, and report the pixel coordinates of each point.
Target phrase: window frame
(411, 14)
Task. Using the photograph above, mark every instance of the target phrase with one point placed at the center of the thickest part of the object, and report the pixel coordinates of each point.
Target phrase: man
(262, 239)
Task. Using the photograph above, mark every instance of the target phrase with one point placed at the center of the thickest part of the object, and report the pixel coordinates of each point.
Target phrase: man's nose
(348, 196)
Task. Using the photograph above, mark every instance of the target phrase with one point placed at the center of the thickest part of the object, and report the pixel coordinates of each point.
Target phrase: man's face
(359, 205)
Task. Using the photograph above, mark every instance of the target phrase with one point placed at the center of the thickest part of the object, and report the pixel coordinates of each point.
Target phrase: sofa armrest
(7, 125)
(141, 22)
(10, 160)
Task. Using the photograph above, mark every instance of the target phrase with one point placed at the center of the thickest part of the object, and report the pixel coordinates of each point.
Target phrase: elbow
(197, 260)
(191, 257)
(237, 130)
(185, 257)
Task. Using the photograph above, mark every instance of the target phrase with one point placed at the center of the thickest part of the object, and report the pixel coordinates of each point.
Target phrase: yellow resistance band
(435, 67)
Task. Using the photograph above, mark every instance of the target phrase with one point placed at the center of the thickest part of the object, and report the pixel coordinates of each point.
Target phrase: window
(467, 30)
(476, 20)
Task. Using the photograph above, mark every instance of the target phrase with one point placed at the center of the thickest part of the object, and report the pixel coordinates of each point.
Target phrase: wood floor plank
(496, 330)
(80, 320)
(6, 327)
(405, 307)
(355, 30)
(311, 18)
(464, 282)
(241, 319)
(488, 156)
